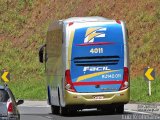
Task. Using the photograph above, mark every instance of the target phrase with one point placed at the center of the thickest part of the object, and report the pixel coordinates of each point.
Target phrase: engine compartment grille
(96, 60)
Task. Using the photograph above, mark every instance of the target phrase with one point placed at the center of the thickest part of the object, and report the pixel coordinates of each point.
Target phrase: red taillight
(118, 21)
(10, 107)
(69, 85)
(125, 82)
(71, 23)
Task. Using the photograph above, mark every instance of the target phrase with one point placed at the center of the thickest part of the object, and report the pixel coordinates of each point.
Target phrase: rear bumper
(87, 99)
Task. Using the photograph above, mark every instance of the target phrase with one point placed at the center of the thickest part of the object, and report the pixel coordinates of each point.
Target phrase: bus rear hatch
(97, 57)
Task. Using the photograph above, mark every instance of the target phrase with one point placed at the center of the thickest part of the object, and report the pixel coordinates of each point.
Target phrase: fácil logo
(95, 69)
(92, 33)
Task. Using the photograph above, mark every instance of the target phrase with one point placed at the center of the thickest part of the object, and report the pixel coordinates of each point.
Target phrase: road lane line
(132, 111)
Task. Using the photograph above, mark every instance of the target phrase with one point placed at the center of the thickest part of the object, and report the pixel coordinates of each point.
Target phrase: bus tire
(120, 109)
(49, 97)
(111, 110)
(108, 109)
(55, 109)
(63, 111)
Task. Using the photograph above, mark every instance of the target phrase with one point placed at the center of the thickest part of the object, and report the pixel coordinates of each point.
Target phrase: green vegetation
(139, 90)
(23, 27)
(27, 75)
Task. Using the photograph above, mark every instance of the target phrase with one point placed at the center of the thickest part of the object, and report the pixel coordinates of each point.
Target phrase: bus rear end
(97, 71)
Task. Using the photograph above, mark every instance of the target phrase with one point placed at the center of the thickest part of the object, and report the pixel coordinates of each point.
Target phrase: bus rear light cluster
(69, 85)
(125, 83)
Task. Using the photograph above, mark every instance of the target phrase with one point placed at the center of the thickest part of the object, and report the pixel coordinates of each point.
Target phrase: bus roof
(86, 19)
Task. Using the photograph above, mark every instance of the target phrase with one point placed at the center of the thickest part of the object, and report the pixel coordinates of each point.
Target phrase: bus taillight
(68, 85)
(125, 83)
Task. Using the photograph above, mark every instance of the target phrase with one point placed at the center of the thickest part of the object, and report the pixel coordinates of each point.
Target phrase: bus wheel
(120, 109)
(63, 111)
(72, 110)
(108, 109)
(55, 109)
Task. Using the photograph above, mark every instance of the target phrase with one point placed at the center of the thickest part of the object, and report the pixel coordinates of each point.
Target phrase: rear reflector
(71, 23)
(10, 107)
(69, 85)
(125, 83)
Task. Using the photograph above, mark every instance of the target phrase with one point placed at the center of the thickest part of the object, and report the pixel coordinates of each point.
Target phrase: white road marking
(49, 117)
(132, 111)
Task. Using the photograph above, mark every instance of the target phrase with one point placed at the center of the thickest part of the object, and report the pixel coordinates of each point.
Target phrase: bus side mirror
(41, 53)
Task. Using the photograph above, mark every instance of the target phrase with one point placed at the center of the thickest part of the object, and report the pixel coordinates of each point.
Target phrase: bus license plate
(98, 97)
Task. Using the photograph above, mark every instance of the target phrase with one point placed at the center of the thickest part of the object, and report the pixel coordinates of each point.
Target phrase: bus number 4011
(96, 50)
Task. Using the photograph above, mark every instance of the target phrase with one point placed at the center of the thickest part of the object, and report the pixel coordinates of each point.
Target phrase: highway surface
(43, 112)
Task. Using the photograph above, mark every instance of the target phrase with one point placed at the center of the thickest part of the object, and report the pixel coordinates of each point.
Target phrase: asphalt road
(44, 113)
(41, 111)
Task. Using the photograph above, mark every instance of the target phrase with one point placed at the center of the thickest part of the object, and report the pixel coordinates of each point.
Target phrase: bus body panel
(54, 63)
(97, 57)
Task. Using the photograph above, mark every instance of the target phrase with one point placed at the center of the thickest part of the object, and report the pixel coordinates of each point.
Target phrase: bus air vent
(96, 60)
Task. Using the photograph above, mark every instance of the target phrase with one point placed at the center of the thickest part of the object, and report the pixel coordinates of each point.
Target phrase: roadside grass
(26, 73)
(139, 90)
(21, 59)
(14, 16)
(32, 88)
